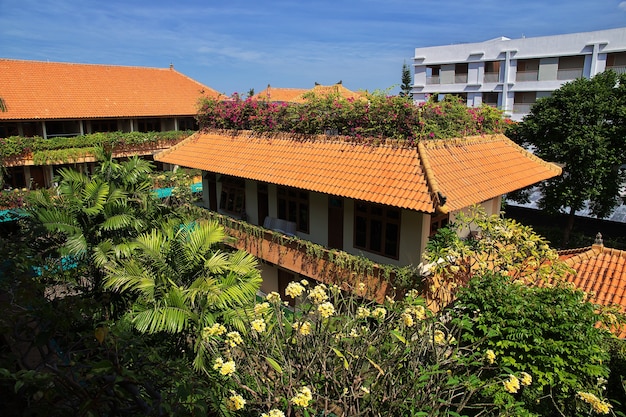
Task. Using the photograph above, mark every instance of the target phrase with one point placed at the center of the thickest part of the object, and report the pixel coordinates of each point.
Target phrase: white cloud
(622, 6)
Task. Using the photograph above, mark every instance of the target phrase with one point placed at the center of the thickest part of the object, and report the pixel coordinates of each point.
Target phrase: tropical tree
(405, 86)
(582, 127)
(180, 281)
(91, 218)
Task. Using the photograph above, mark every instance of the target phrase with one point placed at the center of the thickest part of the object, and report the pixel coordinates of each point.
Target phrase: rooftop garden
(375, 116)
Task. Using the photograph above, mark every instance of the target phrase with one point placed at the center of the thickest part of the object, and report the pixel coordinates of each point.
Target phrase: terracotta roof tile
(53, 90)
(384, 174)
(279, 94)
(476, 169)
(600, 272)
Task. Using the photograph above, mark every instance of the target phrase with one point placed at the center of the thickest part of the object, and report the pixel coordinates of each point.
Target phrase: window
(233, 197)
(460, 73)
(492, 71)
(149, 125)
(438, 222)
(187, 123)
(570, 67)
(293, 206)
(377, 229)
(527, 70)
(104, 126)
(490, 99)
(432, 74)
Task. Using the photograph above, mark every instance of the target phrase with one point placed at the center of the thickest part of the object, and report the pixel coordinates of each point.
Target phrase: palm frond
(94, 195)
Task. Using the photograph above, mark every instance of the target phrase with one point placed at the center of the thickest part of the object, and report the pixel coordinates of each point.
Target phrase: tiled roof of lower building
(464, 171)
(35, 90)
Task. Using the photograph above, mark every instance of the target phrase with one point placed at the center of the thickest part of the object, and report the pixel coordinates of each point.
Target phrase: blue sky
(236, 45)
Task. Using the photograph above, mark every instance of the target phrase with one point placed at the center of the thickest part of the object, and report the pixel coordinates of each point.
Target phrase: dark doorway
(335, 222)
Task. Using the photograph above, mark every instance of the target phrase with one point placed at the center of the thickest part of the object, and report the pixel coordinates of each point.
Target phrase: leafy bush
(375, 116)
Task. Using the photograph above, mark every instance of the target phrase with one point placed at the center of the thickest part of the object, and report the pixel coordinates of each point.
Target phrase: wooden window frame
(287, 196)
(233, 196)
(367, 216)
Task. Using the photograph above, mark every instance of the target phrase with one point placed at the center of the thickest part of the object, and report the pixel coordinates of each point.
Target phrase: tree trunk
(567, 232)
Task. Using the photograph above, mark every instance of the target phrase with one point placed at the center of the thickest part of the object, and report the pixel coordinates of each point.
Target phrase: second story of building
(513, 73)
(54, 99)
(378, 200)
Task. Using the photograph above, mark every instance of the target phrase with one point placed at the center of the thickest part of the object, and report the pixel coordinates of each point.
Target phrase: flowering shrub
(12, 199)
(336, 354)
(376, 116)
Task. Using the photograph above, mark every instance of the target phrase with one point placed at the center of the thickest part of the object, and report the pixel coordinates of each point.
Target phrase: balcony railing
(315, 261)
(460, 78)
(433, 80)
(522, 108)
(569, 74)
(527, 76)
(492, 77)
(619, 69)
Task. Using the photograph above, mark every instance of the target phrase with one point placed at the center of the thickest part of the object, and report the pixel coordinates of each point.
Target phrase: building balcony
(569, 74)
(522, 76)
(491, 77)
(620, 69)
(522, 108)
(317, 262)
(460, 78)
(433, 80)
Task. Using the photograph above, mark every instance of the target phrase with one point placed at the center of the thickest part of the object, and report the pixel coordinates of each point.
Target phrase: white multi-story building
(513, 73)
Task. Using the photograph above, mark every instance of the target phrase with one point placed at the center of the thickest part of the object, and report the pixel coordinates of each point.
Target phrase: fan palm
(182, 282)
(96, 216)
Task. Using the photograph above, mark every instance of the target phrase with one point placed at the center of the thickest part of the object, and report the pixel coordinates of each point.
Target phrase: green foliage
(178, 280)
(406, 82)
(476, 244)
(375, 116)
(580, 126)
(66, 148)
(340, 355)
(548, 332)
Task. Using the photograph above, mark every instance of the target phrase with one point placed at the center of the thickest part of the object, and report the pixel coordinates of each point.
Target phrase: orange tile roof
(324, 90)
(476, 169)
(53, 90)
(601, 272)
(279, 94)
(385, 174)
(298, 95)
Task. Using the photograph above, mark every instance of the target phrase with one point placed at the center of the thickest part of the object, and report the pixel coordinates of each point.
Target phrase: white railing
(620, 69)
(433, 80)
(569, 74)
(492, 77)
(460, 78)
(527, 76)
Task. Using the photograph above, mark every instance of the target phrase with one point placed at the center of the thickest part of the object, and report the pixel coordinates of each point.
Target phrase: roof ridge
(436, 196)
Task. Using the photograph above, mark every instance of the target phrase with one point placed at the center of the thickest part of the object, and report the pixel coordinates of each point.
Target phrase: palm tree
(182, 282)
(93, 218)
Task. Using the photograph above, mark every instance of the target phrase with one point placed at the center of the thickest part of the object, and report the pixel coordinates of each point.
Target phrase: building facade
(512, 74)
(381, 202)
(59, 100)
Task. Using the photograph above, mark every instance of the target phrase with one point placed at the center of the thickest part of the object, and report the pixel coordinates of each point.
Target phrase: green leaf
(274, 364)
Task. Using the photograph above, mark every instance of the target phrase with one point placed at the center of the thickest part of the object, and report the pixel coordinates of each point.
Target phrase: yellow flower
(258, 325)
(511, 384)
(273, 297)
(599, 406)
(412, 293)
(390, 300)
(440, 337)
(362, 312)
(407, 319)
(304, 282)
(304, 328)
(418, 311)
(354, 333)
(215, 330)
(326, 310)
(379, 313)
(303, 397)
(259, 309)
(273, 413)
(360, 287)
(233, 339)
(318, 294)
(219, 362)
(294, 289)
(235, 402)
(228, 368)
(526, 378)
(490, 356)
